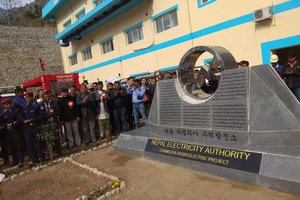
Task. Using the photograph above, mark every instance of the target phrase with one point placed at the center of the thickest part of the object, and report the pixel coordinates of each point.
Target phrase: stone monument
(247, 129)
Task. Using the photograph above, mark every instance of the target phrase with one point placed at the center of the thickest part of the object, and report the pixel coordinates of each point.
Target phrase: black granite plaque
(240, 160)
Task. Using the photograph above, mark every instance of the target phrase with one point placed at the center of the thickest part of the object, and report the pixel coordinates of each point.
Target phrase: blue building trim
(133, 27)
(106, 39)
(88, 17)
(200, 4)
(279, 8)
(115, 14)
(80, 21)
(50, 9)
(267, 47)
(207, 60)
(168, 68)
(164, 12)
(79, 12)
(139, 74)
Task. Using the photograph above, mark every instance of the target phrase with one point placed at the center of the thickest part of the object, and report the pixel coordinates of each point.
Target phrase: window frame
(94, 2)
(165, 13)
(65, 24)
(132, 28)
(103, 42)
(79, 15)
(83, 53)
(201, 4)
(74, 55)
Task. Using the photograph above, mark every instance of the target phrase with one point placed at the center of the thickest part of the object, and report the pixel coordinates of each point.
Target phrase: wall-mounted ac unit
(263, 13)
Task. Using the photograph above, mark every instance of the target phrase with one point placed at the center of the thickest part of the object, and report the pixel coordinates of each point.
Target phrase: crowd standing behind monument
(92, 113)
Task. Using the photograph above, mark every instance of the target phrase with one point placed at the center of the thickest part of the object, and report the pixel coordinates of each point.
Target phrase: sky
(26, 1)
(23, 2)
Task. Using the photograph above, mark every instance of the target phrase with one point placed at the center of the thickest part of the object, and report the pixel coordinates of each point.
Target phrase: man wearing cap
(11, 121)
(69, 115)
(292, 74)
(31, 117)
(19, 100)
(87, 106)
(274, 63)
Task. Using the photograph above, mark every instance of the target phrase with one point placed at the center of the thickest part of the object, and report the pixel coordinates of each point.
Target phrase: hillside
(29, 15)
(20, 50)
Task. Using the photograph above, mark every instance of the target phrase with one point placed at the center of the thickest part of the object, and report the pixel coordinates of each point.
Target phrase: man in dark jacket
(3, 143)
(292, 74)
(118, 98)
(69, 115)
(51, 112)
(87, 106)
(11, 121)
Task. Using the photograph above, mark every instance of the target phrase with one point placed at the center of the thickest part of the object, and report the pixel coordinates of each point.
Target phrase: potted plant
(47, 131)
(106, 128)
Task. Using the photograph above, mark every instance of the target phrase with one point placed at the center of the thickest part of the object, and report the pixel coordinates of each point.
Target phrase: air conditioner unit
(263, 13)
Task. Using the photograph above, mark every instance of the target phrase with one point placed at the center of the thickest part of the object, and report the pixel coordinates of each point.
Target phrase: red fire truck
(53, 83)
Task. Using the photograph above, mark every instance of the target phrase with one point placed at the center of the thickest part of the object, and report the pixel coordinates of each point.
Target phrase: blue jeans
(139, 108)
(296, 92)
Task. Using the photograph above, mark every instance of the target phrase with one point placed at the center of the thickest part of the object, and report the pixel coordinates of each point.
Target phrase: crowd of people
(85, 114)
(290, 72)
(90, 113)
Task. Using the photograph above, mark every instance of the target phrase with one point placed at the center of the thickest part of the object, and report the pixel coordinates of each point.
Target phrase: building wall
(225, 23)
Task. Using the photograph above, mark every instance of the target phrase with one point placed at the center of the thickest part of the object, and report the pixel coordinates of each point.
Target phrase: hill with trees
(12, 13)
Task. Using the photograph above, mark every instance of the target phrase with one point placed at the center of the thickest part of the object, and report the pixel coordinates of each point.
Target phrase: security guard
(3, 142)
(32, 116)
(11, 121)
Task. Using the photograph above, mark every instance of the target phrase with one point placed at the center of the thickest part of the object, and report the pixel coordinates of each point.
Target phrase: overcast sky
(23, 2)
(26, 1)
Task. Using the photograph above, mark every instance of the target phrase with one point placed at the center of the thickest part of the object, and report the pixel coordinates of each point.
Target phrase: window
(86, 53)
(135, 33)
(107, 45)
(166, 21)
(67, 23)
(97, 2)
(202, 3)
(80, 14)
(73, 59)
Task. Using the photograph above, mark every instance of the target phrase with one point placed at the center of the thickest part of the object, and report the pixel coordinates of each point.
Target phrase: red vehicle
(53, 83)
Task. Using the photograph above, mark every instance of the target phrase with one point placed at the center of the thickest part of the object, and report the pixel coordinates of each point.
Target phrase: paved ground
(151, 180)
(146, 180)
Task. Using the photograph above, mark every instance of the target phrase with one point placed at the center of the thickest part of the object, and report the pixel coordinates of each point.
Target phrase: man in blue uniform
(11, 121)
(19, 100)
(32, 115)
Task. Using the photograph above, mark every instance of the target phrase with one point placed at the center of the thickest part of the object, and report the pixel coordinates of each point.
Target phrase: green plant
(82, 198)
(97, 193)
(47, 131)
(105, 125)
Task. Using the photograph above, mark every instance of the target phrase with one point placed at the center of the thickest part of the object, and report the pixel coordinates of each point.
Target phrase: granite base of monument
(274, 171)
(248, 130)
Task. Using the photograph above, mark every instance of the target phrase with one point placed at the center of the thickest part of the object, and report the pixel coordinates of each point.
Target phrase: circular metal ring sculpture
(222, 60)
